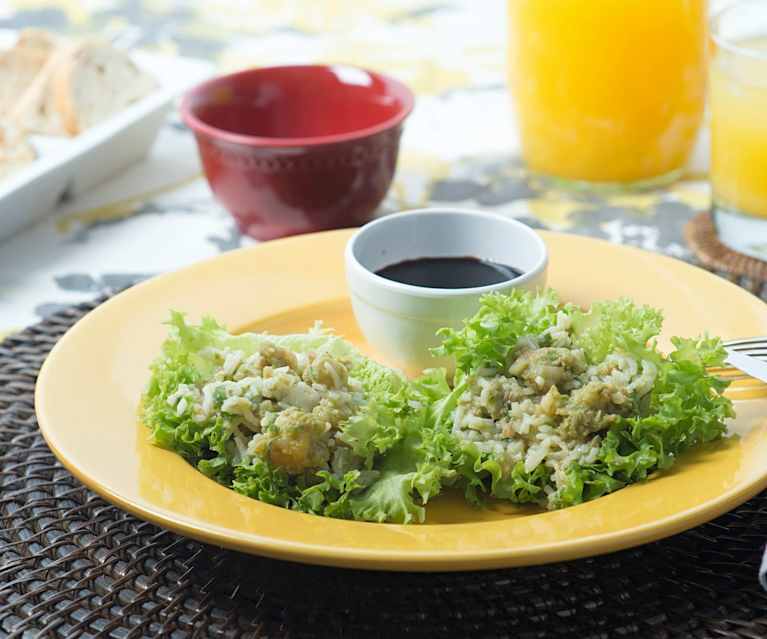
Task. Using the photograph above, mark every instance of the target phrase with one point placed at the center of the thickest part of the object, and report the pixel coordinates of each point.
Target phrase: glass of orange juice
(608, 92)
(738, 87)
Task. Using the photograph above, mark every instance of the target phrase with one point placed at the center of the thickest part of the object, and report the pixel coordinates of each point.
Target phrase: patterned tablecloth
(459, 146)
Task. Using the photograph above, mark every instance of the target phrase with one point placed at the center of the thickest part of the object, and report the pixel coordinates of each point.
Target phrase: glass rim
(727, 44)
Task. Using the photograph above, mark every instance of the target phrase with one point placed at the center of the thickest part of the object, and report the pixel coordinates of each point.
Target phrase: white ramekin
(400, 320)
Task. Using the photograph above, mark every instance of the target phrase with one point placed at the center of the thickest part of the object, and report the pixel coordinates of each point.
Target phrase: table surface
(459, 146)
(459, 149)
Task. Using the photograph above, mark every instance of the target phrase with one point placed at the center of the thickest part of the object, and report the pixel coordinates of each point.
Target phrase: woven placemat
(746, 271)
(71, 565)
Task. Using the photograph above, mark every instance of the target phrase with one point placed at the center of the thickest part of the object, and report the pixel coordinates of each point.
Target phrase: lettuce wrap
(301, 421)
(556, 405)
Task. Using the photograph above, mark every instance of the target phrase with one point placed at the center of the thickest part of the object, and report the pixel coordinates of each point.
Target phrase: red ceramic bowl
(298, 148)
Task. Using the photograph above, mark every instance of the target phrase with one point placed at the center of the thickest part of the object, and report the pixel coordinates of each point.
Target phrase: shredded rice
(549, 406)
(283, 407)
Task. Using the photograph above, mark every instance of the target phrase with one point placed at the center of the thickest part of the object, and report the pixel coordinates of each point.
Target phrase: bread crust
(35, 111)
(21, 66)
(61, 89)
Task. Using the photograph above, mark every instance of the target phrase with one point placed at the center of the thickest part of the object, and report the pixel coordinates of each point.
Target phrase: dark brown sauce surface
(449, 272)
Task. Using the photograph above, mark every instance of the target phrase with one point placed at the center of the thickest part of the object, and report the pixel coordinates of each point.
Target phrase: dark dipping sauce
(449, 272)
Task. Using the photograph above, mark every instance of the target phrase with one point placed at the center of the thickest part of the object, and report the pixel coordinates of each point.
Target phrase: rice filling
(549, 406)
(280, 406)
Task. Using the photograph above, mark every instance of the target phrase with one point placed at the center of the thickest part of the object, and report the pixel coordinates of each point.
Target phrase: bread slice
(20, 65)
(40, 40)
(93, 82)
(15, 151)
(35, 111)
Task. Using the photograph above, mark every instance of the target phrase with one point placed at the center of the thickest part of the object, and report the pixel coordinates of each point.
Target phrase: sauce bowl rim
(353, 263)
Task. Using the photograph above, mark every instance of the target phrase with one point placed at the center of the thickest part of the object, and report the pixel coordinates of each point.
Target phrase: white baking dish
(68, 166)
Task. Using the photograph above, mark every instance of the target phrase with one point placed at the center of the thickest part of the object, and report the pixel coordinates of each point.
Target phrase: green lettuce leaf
(259, 481)
(616, 326)
(378, 427)
(423, 460)
(487, 338)
(482, 474)
(410, 475)
(330, 497)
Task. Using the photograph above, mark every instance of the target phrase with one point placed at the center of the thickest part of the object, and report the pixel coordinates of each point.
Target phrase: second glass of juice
(738, 99)
(608, 92)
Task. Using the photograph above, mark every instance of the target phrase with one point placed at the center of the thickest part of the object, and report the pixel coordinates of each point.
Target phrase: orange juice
(607, 90)
(739, 128)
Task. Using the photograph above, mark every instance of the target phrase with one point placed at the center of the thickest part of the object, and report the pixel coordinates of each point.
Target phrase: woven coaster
(71, 566)
(700, 233)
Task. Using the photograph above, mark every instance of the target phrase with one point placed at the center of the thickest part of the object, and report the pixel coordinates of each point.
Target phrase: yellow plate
(89, 387)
